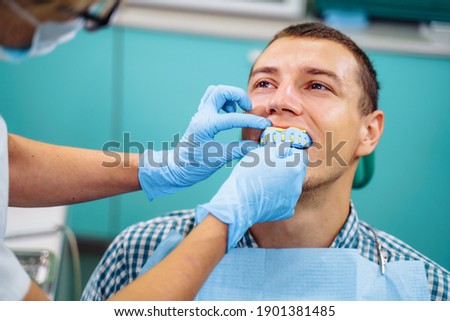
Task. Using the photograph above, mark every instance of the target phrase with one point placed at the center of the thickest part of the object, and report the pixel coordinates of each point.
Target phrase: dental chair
(364, 172)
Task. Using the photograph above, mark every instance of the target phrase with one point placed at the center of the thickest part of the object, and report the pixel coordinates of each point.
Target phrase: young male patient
(312, 77)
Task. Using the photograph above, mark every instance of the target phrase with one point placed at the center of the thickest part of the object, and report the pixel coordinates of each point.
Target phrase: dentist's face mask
(49, 35)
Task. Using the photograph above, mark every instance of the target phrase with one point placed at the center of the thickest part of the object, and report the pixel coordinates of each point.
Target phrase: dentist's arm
(35, 293)
(42, 174)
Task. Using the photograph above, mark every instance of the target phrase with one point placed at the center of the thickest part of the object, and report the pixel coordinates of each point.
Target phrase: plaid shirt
(129, 251)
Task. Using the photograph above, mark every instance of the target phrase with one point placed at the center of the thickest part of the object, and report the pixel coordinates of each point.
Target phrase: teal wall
(148, 84)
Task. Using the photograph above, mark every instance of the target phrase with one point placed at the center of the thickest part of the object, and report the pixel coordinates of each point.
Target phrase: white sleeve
(14, 281)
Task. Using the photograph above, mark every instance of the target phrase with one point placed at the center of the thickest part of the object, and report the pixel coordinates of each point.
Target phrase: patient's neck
(318, 218)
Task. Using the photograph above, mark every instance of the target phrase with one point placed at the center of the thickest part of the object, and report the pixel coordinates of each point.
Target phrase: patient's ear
(371, 129)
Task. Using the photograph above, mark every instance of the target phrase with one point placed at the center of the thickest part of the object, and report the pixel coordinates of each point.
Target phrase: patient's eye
(318, 86)
(263, 84)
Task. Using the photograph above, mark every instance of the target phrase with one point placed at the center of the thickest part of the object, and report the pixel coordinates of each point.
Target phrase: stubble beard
(314, 188)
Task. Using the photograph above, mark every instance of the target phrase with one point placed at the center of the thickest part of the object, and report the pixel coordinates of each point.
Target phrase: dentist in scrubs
(36, 174)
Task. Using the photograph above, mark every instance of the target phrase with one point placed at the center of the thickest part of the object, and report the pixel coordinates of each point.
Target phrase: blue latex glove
(198, 155)
(263, 187)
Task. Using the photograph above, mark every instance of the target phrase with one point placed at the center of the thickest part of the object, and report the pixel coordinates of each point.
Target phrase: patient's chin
(251, 134)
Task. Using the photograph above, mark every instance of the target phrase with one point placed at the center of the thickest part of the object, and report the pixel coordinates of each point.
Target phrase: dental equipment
(298, 138)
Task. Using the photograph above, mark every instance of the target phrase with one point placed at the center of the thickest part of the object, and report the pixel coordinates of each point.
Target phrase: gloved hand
(259, 189)
(198, 155)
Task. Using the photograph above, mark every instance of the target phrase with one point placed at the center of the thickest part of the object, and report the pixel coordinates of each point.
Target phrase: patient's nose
(285, 98)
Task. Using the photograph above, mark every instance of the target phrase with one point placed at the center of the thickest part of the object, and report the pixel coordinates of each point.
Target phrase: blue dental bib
(257, 274)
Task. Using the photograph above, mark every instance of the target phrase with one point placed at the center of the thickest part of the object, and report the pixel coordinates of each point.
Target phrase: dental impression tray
(297, 137)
